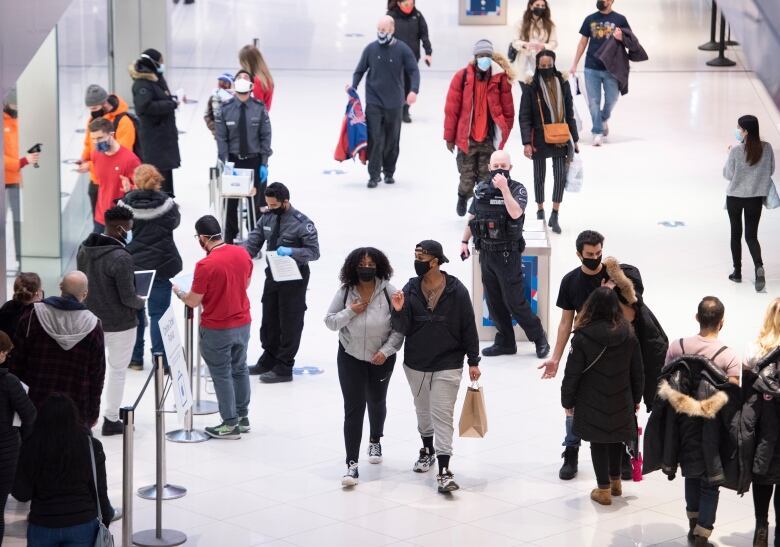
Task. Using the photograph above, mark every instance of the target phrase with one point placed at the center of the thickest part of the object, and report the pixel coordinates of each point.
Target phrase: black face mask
(421, 267)
(538, 11)
(546, 72)
(592, 263)
(601, 5)
(279, 211)
(97, 114)
(11, 111)
(366, 274)
(495, 172)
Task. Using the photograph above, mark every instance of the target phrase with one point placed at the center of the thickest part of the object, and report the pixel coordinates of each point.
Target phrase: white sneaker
(446, 481)
(598, 139)
(424, 462)
(374, 453)
(350, 478)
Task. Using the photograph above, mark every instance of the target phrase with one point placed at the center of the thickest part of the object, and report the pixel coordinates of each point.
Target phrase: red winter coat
(460, 100)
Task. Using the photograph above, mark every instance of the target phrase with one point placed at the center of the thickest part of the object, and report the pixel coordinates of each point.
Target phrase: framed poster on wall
(482, 12)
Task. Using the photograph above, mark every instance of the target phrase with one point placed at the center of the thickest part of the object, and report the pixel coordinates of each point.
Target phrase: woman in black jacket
(547, 99)
(602, 387)
(156, 110)
(410, 28)
(13, 400)
(55, 474)
(155, 216)
(27, 291)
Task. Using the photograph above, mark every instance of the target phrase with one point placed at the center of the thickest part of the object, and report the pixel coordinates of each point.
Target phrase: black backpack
(136, 123)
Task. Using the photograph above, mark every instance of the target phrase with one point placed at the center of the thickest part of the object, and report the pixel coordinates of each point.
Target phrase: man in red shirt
(219, 285)
(113, 164)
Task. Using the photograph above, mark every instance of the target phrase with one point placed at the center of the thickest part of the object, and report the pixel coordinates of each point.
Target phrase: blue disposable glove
(263, 172)
(284, 251)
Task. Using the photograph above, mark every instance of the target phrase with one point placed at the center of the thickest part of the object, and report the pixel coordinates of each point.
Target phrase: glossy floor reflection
(280, 484)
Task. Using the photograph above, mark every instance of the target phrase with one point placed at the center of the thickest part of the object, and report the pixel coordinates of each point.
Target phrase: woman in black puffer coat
(411, 29)
(155, 216)
(156, 110)
(602, 386)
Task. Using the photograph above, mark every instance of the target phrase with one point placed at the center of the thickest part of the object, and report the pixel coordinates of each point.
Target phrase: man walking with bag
(435, 314)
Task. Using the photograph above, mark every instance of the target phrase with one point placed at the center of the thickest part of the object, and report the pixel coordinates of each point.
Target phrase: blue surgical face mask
(128, 236)
(161, 68)
(484, 63)
(103, 146)
(738, 134)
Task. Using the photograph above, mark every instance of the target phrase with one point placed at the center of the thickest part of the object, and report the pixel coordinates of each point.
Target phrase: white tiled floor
(279, 485)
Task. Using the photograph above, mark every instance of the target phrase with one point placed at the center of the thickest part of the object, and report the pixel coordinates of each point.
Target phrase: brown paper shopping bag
(473, 418)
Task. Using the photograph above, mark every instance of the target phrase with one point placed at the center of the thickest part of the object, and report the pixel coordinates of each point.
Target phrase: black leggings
(752, 209)
(363, 383)
(607, 461)
(9, 457)
(762, 495)
(559, 178)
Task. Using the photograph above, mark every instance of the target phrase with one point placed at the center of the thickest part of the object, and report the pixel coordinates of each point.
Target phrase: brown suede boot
(602, 496)
(616, 487)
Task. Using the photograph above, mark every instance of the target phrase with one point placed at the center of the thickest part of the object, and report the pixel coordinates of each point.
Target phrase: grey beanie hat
(10, 97)
(95, 95)
(483, 47)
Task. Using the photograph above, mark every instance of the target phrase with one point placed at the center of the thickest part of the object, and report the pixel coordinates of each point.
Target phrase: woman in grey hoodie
(361, 312)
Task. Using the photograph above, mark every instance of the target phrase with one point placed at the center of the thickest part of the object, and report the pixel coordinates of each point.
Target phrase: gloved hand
(284, 251)
(263, 172)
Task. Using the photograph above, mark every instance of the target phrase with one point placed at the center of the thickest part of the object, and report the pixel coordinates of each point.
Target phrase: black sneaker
(274, 378)
(374, 453)
(405, 116)
(112, 428)
(446, 481)
(243, 425)
(255, 370)
(760, 279)
(136, 365)
(542, 347)
(736, 276)
(389, 179)
(570, 460)
(224, 431)
(424, 462)
(495, 350)
(350, 478)
(540, 214)
(462, 205)
(373, 183)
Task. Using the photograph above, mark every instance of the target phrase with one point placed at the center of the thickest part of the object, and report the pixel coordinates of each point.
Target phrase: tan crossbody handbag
(554, 133)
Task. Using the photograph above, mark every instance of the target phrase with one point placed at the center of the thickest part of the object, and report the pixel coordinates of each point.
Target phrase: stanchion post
(127, 414)
(721, 60)
(161, 486)
(200, 408)
(712, 45)
(729, 41)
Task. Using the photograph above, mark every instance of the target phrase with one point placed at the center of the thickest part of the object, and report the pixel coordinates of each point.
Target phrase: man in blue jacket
(386, 60)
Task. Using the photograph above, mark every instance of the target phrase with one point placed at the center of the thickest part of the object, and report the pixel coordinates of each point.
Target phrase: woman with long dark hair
(253, 62)
(533, 33)
(602, 386)
(547, 100)
(27, 291)
(362, 314)
(13, 400)
(55, 475)
(749, 170)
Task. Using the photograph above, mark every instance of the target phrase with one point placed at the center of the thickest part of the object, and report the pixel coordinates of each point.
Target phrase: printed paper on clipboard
(283, 268)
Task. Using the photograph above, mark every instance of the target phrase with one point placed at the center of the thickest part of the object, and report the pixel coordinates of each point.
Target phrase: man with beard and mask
(288, 232)
(101, 104)
(244, 139)
(112, 297)
(219, 284)
(575, 288)
(387, 61)
(596, 29)
(478, 116)
(435, 314)
(496, 222)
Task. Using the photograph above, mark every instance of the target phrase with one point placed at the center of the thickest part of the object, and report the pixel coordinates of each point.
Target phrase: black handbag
(511, 53)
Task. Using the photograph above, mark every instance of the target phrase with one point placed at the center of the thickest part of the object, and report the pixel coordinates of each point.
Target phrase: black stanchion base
(721, 61)
(168, 538)
(732, 43)
(709, 46)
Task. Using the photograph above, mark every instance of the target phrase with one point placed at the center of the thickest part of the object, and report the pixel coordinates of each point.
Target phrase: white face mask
(243, 86)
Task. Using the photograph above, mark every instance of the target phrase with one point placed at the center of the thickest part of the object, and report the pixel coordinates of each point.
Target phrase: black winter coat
(531, 122)
(603, 382)
(156, 111)
(696, 425)
(411, 30)
(439, 339)
(654, 344)
(155, 217)
(761, 414)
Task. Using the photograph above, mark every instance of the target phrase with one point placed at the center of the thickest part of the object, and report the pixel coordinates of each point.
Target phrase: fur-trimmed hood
(623, 284)
(685, 404)
(499, 65)
(137, 74)
(147, 204)
(530, 79)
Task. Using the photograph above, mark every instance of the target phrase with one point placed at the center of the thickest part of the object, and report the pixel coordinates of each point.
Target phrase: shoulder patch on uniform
(310, 227)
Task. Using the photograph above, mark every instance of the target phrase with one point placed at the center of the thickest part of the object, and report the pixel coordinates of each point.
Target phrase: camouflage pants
(473, 166)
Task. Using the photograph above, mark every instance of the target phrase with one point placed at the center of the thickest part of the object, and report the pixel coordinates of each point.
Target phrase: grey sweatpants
(434, 400)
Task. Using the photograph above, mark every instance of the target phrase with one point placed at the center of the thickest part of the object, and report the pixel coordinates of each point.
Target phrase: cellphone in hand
(464, 255)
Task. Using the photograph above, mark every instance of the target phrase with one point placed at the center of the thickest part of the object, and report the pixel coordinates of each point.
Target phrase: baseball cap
(433, 248)
(226, 77)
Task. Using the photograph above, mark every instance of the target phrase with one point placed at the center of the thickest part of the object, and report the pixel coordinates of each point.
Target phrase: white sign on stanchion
(174, 352)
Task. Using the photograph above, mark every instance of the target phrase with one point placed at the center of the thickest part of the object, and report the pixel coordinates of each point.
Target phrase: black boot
(570, 459)
(761, 536)
(692, 522)
(760, 279)
(406, 117)
(540, 214)
(462, 204)
(736, 275)
(554, 222)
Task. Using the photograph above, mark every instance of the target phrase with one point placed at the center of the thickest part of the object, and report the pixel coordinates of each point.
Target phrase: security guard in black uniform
(496, 222)
(289, 232)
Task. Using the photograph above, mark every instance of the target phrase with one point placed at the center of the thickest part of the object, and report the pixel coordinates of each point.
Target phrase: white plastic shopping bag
(574, 175)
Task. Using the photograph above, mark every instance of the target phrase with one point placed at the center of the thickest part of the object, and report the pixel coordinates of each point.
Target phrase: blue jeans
(224, 351)
(159, 301)
(702, 499)
(571, 439)
(594, 81)
(81, 535)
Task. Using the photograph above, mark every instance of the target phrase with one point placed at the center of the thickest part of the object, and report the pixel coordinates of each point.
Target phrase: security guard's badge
(497, 201)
